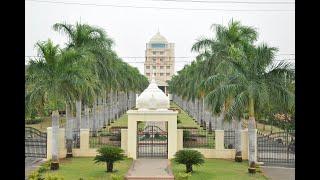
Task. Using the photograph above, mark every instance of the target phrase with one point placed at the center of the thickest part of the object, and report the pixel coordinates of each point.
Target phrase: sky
(132, 23)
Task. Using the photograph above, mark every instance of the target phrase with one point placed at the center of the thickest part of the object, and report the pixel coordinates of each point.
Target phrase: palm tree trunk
(78, 114)
(87, 118)
(69, 127)
(55, 131)
(237, 123)
(252, 133)
(94, 119)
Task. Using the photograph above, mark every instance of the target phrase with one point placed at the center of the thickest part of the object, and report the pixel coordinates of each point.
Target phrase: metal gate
(35, 143)
(276, 149)
(152, 141)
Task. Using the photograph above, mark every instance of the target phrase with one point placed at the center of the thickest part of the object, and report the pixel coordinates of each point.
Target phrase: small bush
(35, 176)
(53, 177)
(189, 158)
(182, 176)
(34, 121)
(116, 177)
(109, 155)
(44, 167)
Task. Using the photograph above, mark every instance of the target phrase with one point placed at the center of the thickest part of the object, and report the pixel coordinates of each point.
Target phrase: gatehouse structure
(152, 128)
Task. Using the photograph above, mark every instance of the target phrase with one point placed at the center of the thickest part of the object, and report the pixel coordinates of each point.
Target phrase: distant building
(159, 60)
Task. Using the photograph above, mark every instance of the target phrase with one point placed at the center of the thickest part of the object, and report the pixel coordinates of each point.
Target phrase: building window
(148, 74)
(168, 74)
(154, 52)
(161, 52)
(154, 59)
(161, 59)
(161, 67)
(154, 74)
(147, 67)
(161, 74)
(168, 67)
(158, 45)
(154, 67)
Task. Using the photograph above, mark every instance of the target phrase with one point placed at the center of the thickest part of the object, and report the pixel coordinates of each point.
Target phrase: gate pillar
(163, 115)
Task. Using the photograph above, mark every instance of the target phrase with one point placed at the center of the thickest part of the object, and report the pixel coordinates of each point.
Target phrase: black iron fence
(104, 137)
(277, 148)
(229, 139)
(35, 143)
(76, 138)
(198, 138)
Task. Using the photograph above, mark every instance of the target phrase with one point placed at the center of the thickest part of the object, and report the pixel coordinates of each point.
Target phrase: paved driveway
(150, 169)
(279, 173)
(31, 164)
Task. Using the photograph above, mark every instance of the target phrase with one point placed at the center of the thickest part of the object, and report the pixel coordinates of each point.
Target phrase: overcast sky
(132, 27)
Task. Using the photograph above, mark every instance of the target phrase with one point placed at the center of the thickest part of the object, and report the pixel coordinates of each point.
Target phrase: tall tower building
(159, 61)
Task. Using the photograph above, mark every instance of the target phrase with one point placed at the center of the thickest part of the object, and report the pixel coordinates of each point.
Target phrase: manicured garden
(85, 168)
(218, 169)
(184, 120)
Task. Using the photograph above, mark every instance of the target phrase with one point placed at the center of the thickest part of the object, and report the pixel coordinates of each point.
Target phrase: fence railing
(104, 137)
(229, 139)
(198, 138)
(76, 138)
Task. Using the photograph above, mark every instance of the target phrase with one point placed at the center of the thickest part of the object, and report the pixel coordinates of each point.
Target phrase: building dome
(153, 98)
(158, 38)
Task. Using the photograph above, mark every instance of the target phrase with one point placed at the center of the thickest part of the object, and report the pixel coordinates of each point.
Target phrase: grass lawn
(121, 122)
(219, 169)
(84, 167)
(185, 119)
(46, 123)
(266, 129)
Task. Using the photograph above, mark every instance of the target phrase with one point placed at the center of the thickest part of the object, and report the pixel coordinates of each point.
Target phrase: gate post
(84, 140)
(61, 143)
(219, 140)
(49, 141)
(244, 144)
(124, 140)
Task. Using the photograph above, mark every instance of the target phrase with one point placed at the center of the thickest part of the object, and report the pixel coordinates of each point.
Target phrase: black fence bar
(198, 138)
(104, 137)
(76, 138)
(35, 143)
(229, 139)
(152, 141)
(277, 148)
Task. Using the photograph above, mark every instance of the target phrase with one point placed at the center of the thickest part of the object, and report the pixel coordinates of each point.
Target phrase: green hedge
(34, 121)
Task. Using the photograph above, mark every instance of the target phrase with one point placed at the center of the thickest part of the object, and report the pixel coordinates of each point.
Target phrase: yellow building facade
(159, 60)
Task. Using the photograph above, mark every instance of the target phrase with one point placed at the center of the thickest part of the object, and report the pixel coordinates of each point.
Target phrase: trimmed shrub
(34, 121)
(109, 155)
(35, 175)
(189, 158)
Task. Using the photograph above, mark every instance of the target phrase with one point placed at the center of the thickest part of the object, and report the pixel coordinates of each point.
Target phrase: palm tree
(256, 82)
(55, 76)
(95, 46)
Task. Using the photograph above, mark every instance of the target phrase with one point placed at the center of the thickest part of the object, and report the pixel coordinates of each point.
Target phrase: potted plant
(252, 168)
(238, 157)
